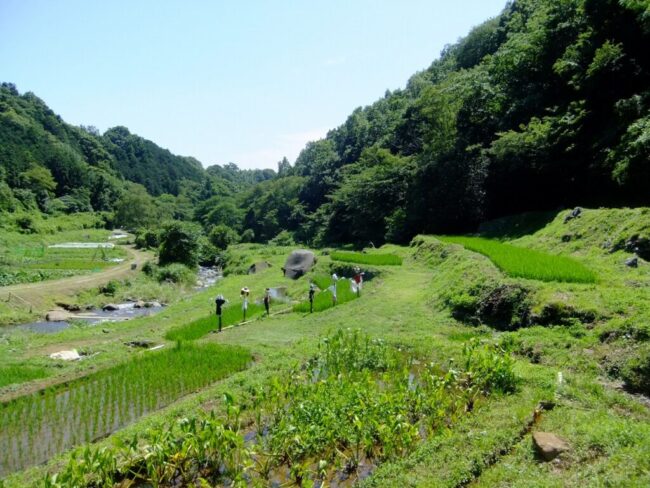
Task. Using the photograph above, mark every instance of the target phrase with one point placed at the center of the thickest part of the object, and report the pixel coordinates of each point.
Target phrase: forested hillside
(544, 106)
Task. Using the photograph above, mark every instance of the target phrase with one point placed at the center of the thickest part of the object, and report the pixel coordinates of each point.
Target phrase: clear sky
(244, 81)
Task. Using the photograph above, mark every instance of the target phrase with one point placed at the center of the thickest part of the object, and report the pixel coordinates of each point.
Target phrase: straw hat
(245, 291)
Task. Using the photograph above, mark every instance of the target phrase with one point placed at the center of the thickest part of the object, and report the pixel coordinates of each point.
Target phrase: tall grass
(35, 427)
(230, 315)
(323, 299)
(363, 258)
(520, 262)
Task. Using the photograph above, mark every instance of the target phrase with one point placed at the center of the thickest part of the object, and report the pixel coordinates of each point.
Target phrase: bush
(221, 236)
(176, 273)
(147, 239)
(179, 243)
(284, 238)
(26, 224)
(110, 288)
(150, 269)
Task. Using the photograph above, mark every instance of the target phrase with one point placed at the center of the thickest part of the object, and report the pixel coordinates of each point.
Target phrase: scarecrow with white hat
(244, 305)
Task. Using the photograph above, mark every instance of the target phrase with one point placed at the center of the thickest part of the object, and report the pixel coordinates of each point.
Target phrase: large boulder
(298, 263)
(549, 446)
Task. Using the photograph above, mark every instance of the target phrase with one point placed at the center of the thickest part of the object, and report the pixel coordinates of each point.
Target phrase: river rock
(70, 307)
(142, 344)
(257, 267)
(152, 304)
(57, 316)
(110, 307)
(549, 446)
(139, 304)
(632, 262)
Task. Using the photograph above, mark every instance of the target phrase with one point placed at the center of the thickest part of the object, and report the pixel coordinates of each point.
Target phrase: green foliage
(354, 402)
(221, 236)
(179, 243)
(175, 273)
(284, 238)
(367, 258)
(526, 263)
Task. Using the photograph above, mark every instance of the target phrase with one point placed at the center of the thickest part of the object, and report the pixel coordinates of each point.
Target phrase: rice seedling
(232, 314)
(55, 419)
(520, 262)
(358, 402)
(323, 299)
(19, 374)
(367, 258)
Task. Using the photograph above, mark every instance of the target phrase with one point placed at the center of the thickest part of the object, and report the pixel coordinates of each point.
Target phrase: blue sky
(224, 81)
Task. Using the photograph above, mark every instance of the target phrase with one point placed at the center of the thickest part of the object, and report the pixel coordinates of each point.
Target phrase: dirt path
(38, 296)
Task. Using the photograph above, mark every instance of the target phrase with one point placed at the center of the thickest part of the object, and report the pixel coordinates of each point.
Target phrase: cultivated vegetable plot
(356, 404)
(36, 427)
(363, 258)
(526, 263)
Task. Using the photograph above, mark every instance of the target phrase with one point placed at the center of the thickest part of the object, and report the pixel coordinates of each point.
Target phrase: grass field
(520, 262)
(366, 258)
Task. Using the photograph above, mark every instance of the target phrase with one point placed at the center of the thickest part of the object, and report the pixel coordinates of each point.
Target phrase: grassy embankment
(581, 330)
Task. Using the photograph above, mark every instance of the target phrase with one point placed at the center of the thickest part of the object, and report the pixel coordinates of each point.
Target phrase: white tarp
(72, 355)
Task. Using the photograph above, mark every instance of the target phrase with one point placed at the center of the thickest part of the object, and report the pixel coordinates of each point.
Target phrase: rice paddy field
(389, 388)
(380, 259)
(28, 258)
(520, 262)
(35, 427)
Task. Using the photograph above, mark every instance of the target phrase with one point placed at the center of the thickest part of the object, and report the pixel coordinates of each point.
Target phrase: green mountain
(544, 106)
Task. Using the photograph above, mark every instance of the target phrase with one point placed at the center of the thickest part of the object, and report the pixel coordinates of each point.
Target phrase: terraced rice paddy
(367, 258)
(520, 262)
(357, 403)
(36, 427)
(231, 314)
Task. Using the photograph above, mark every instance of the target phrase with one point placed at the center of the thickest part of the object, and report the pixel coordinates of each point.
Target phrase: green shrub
(284, 238)
(176, 273)
(110, 288)
(520, 262)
